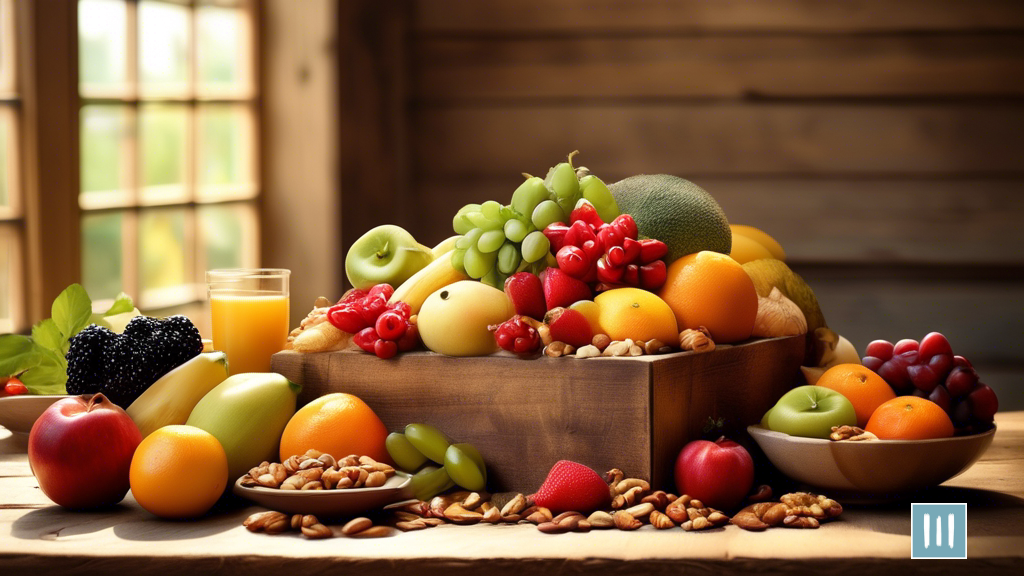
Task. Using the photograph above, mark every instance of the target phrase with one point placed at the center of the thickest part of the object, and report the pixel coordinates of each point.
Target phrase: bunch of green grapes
(498, 241)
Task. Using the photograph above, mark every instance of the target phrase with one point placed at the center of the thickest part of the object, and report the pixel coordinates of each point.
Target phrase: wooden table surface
(38, 537)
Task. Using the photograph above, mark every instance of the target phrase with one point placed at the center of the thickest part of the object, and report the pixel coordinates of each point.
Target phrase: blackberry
(130, 367)
(179, 338)
(85, 359)
(142, 327)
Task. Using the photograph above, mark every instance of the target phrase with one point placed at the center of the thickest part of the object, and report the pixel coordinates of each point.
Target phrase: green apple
(810, 411)
(385, 255)
(454, 319)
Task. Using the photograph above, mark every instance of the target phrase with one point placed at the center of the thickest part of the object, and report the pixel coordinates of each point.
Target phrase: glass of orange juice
(249, 313)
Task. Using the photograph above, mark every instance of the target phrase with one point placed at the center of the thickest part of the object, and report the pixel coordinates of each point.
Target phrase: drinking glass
(249, 315)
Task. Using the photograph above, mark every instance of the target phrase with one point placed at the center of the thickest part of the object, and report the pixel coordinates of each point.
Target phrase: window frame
(191, 195)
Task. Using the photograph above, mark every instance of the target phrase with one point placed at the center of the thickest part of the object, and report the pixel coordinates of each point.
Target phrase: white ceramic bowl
(328, 503)
(871, 468)
(19, 413)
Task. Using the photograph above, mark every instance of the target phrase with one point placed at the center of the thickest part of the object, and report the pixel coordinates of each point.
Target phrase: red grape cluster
(930, 370)
(606, 255)
(516, 335)
(378, 328)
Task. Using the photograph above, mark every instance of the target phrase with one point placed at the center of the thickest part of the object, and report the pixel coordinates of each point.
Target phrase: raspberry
(515, 335)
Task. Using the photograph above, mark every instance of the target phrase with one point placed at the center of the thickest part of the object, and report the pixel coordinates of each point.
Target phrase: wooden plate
(871, 468)
(328, 503)
(19, 413)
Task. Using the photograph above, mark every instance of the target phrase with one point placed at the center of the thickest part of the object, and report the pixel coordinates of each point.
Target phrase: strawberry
(560, 289)
(572, 486)
(527, 294)
(569, 326)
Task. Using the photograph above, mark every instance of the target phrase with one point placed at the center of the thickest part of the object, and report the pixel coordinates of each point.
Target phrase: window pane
(222, 49)
(102, 45)
(104, 153)
(227, 232)
(226, 143)
(163, 261)
(163, 131)
(3, 158)
(6, 246)
(102, 266)
(163, 47)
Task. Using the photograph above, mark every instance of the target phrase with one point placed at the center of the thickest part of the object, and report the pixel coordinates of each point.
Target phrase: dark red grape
(941, 397)
(934, 343)
(984, 403)
(907, 358)
(961, 381)
(960, 413)
(896, 375)
(872, 363)
(879, 349)
(923, 377)
(919, 393)
(905, 345)
(961, 361)
(941, 364)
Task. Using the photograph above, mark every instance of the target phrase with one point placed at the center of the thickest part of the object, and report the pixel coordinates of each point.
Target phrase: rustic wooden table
(38, 537)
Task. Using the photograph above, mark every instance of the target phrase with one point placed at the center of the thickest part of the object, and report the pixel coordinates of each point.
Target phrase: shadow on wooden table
(1002, 514)
(128, 520)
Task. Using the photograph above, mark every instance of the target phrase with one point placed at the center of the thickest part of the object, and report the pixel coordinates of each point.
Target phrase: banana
(171, 399)
(430, 279)
(444, 246)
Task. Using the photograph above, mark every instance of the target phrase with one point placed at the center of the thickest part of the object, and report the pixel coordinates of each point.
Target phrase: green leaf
(53, 358)
(47, 335)
(46, 380)
(71, 310)
(122, 304)
(18, 353)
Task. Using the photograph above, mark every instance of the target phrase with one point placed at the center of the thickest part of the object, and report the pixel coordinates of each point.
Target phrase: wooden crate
(524, 415)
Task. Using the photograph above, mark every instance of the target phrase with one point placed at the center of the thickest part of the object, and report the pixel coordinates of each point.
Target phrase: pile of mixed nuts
(633, 504)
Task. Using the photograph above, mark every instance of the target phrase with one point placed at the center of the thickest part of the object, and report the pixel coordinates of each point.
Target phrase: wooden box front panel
(524, 415)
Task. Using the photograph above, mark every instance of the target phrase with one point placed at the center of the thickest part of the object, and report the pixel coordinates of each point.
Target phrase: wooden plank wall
(881, 142)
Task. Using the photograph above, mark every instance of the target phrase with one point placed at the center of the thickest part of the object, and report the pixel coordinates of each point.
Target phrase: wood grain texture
(700, 140)
(870, 220)
(513, 70)
(666, 16)
(524, 415)
(37, 537)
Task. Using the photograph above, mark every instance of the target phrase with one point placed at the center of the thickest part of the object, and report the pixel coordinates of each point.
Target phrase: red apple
(80, 450)
(720, 474)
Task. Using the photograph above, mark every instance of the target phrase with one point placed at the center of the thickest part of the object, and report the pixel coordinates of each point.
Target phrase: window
(12, 224)
(168, 146)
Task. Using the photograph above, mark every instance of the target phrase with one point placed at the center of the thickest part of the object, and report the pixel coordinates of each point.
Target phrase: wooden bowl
(19, 413)
(328, 503)
(871, 468)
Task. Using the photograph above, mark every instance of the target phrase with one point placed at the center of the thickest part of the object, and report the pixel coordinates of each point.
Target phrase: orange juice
(249, 328)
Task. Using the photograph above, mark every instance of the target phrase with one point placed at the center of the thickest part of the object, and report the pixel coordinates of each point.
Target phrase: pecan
(459, 515)
(312, 528)
(625, 521)
(698, 340)
(542, 514)
(659, 498)
(313, 485)
(812, 505)
(419, 508)
(851, 434)
(552, 528)
(408, 526)
(269, 522)
(558, 349)
(661, 521)
(374, 532)
(760, 515)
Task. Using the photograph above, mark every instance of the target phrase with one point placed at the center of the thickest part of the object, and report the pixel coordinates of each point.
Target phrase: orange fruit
(637, 314)
(910, 418)
(178, 472)
(712, 290)
(337, 424)
(862, 387)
